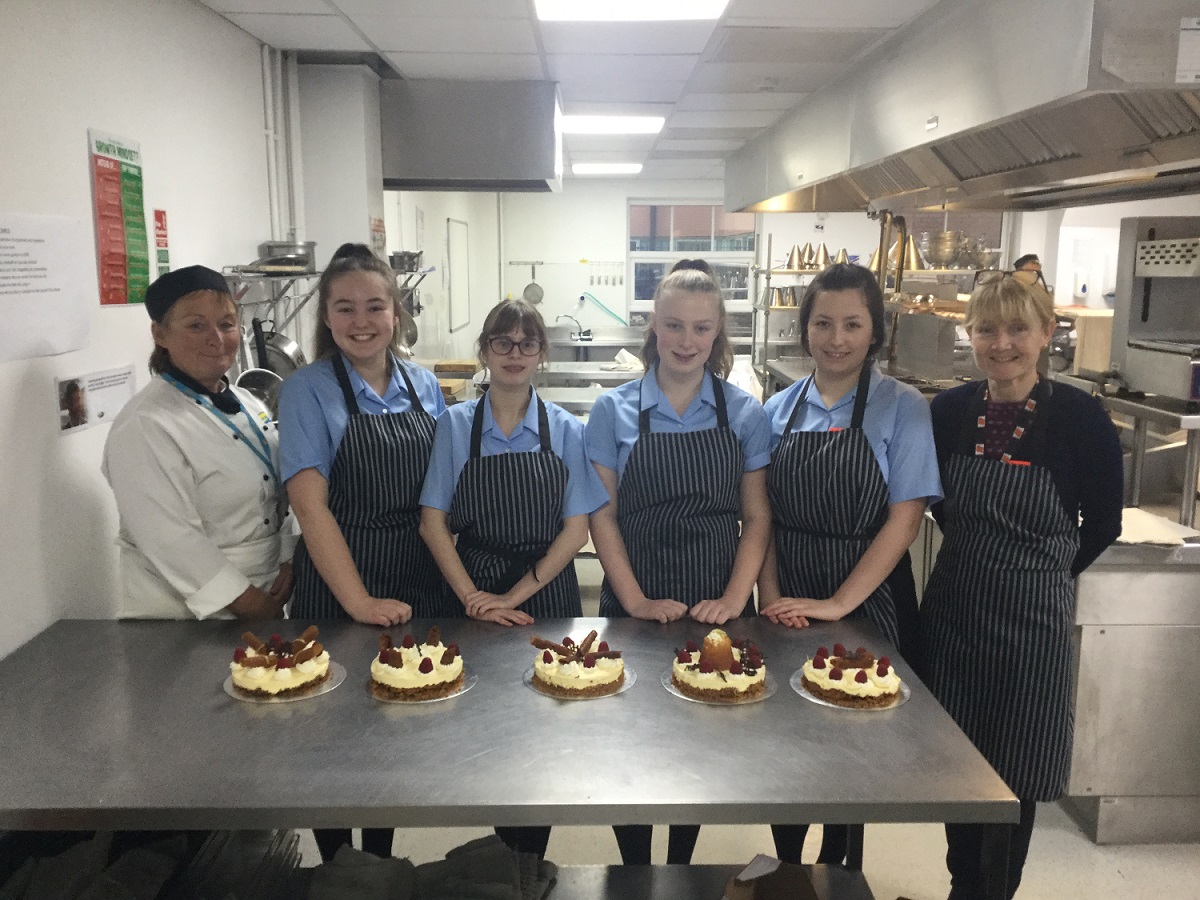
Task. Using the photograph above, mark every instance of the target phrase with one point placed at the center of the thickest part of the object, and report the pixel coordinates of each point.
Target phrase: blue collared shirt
(896, 423)
(452, 448)
(612, 428)
(313, 414)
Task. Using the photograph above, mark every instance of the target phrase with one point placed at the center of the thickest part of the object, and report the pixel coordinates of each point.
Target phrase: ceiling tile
(708, 134)
(748, 118)
(606, 155)
(600, 108)
(698, 155)
(678, 168)
(436, 35)
(640, 143)
(749, 77)
(761, 100)
(785, 45)
(300, 32)
(656, 38)
(606, 90)
(469, 66)
(622, 68)
(444, 9)
(288, 7)
(712, 146)
(823, 14)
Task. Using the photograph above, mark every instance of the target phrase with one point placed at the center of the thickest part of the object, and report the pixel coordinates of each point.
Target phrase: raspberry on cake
(721, 671)
(577, 671)
(278, 668)
(414, 672)
(854, 680)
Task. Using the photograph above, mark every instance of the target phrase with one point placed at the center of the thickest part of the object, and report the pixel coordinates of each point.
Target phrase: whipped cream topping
(574, 676)
(273, 680)
(408, 675)
(877, 685)
(716, 681)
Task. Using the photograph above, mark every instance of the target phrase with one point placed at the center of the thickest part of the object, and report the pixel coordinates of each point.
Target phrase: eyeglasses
(503, 345)
(1027, 277)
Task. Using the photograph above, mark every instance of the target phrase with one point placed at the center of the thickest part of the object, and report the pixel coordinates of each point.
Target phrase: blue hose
(602, 306)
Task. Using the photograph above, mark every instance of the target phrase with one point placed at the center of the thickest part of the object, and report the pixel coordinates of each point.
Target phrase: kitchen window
(661, 234)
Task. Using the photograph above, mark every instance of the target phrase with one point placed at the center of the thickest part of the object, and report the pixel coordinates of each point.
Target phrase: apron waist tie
(794, 529)
(519, 561)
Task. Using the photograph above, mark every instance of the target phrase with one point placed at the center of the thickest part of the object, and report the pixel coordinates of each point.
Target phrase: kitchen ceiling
(717, 83)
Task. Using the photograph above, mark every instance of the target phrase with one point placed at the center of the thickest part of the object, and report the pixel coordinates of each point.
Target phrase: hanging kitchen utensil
(283, 355)
(260, 344)
(821, 257)
(533, 292)
(264, 385)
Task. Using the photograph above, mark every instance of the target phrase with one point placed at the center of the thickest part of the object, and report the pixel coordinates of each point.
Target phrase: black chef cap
(166, 289)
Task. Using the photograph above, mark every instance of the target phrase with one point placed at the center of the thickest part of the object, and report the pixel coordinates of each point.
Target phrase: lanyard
(262, 451)
(1024, 421)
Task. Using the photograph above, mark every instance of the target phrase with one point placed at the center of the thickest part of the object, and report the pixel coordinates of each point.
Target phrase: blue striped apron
(829, 500)
(507, 511)
(374, 493)
(997, 617)
(678, 510)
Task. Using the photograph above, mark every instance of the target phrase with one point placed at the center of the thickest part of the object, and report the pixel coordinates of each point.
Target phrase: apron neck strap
(718, 401)
(860, 398)
(477, 426)
(343, 380)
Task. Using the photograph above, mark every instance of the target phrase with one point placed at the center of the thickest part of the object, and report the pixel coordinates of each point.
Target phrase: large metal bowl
(986, 259)
(263, 384)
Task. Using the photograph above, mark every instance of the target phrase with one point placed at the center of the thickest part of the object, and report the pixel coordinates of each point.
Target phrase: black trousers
(964, 851)
(634, 843)
(525, 838)
(376, 841)
(789, 843)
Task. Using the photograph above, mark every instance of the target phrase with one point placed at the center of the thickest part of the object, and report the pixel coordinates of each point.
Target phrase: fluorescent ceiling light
(605, 168)
(628, 10)
(612, 124)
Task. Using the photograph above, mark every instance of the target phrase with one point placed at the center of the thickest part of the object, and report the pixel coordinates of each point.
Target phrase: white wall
(186, 85)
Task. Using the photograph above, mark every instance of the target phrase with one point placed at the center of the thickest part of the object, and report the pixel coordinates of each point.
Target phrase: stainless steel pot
(263, 384)
(297, 254)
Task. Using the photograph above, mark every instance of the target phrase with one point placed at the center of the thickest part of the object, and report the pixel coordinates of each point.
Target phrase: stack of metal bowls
(944, 248)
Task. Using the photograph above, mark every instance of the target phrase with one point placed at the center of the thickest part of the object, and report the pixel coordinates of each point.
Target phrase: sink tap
(579, 331)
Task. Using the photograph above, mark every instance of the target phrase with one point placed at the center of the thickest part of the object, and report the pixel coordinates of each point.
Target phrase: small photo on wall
(72, 404)
(93, 398)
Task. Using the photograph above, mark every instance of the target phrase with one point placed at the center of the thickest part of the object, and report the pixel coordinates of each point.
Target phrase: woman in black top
(1031, 471)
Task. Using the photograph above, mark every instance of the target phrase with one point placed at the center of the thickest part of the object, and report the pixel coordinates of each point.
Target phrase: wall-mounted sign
(162, 251)
(121, 245)
(379, 238)
(92, 399)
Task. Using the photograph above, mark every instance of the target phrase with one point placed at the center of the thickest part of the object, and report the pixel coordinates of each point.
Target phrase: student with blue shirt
(853, 468)
(509, 476)
(356, 428)
(683, 454)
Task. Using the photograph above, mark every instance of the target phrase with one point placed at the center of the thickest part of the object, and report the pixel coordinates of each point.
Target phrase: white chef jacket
(200, 514)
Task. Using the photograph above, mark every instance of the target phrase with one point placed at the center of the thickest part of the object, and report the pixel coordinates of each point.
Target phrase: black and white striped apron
(678, 510)
(507, 511)
(997, 617)
(374, 493)
(829, 500)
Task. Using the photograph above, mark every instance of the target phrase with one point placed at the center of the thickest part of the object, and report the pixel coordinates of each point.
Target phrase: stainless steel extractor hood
(994, 104)
(470, 135)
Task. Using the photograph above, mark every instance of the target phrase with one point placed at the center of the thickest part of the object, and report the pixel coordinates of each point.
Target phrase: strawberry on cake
(720, 671)
(414, 672)
(276, 667)
(576, 671)
(856, 681)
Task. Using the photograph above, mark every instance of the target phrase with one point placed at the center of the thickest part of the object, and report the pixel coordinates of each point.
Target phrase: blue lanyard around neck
(262, 451)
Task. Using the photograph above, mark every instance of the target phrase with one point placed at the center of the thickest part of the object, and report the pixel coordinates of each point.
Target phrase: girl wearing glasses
(509, 477)
(355, 431)
(852, 470)
(683, 454)
(1033, 480)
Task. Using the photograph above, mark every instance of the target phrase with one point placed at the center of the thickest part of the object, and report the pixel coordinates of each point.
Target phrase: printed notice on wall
(1187, 63)
(122, 247)
(44, 285)
(162, 250)
(92, 399)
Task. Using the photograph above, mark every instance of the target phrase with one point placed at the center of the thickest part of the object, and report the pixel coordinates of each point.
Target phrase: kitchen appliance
(284, 258)
(1156, 316)
(406, 260)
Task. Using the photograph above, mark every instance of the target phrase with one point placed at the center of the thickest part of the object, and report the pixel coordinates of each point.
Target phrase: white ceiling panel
(710, 146)
(692, 155)
(313, 7)
(606, 90)
(823, 14)
(598, 108)
(749, 77)
(445, 9)
(640, 143)
(300, 32)
(675, 168)
(606, 155)
(708, 134)
(759, 100)
(437, 35)
(601, 67)
(468, 66)
(748, 118)
(789, 45)
(655, 38)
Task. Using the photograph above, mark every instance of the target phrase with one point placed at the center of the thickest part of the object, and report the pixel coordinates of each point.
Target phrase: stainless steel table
(1168, 413)
(565, 374)
(576, 400)
(124, 725)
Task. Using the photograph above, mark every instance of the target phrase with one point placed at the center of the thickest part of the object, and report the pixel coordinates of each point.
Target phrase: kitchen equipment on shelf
(406, 260)
(986, 258)
(821, 257)
(283, 258)
(945, 247)
(842, 257)
(795, 258)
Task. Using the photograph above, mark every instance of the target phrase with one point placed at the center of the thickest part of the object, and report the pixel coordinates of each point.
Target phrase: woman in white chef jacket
(193, 463)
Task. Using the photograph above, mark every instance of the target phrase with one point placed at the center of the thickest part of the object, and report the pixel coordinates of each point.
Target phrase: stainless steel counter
(1166, 412)
(125, 725)
(575, 400)
(572, 374)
